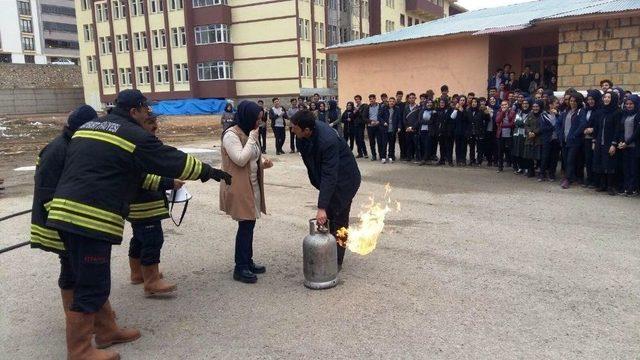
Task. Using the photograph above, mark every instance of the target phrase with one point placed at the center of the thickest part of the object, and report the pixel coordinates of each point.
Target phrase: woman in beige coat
(243, 200)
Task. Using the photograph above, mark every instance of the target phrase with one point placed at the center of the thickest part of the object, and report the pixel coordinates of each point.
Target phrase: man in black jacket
(332, 169)
(104, 163)
(359, 112)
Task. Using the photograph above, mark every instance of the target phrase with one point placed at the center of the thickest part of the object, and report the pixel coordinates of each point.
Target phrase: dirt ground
(476, 265)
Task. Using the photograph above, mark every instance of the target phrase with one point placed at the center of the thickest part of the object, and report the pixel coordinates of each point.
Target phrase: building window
(391, 3)
(390, 26)
(305, 67)
(181, 73)
(28, 44)
(402, 22)
(210, 34)
(105, 45)
(318, 28)
(61, 44)
(142, 74)
(202, 3)
(178, 37)
(319, 2)
(119, 9)
(84, 4)
(102, 12)
(122, 42)
(60, 27)
(176, 4)
(91, 64)
(137, 7)
(26, 26)
(303, 29)
(87, 31)
(156, 6)
(140, 40)
(410, 21)
(334, 70)
(215, 70)
(108, 77)
(58, 10)
(365, 9)
(162, 74)
(29, 59)
(125, 76)
(159, 39)
(24, 8)
(320, 68)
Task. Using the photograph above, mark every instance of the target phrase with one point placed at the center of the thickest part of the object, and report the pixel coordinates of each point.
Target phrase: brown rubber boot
(79, 330)
(67, 299)
(153, 283)
(108, 332)
(136, 271)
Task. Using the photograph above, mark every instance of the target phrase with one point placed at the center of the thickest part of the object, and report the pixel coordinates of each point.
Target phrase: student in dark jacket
(410, 121)
(426, 123)
(591, 106)
(348, 127)
(332, 169)
(461, 131)
(278, 116)
(606, 133)
(533, 142)
(395, 122)
(445, 137)
(476, 120)
(571, 138)
(550, 141)
(376, 116)
(401, 135)
(505, 121)
(493, 107)
(434, 132)
(262, 128)
(49, 166)
(359, 113)
(630, 143)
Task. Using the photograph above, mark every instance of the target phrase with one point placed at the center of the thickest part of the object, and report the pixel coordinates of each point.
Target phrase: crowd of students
(593, 137)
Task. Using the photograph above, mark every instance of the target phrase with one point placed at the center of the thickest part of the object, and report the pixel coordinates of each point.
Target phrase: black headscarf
(528, 109)
(247, 116)
(635, 99)
(540, 104)
(332, 114)
(613, 105)
(597, 96)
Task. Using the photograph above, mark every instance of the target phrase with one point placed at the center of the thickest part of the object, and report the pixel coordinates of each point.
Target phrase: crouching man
(332, 169)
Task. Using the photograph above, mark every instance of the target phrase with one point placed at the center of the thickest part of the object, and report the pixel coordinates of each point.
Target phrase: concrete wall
(39, 101)
(33, 89)
(597, 50)
(461, 63)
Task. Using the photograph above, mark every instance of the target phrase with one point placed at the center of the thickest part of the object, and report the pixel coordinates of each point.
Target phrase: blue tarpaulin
(189, 107)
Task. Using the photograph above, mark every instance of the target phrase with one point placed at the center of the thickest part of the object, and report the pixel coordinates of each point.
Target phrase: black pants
(67, 279)
(244, 244)
(383, 141)
(402, 142)
(359, 135)
(504, 151)
(292, 141)
(549, 161)
(91, 266)
(433, 151)
(372, 133)
(630, 161)
(412, 145)
(446, 149)
(349, 135)
(391, 153)
(489, 146)
(569, 158)
(589, 178)
(262, 139)
(425, 145)
(461, 149)
(474, 143)
(146, 242)
(339, 218)
(280, 135)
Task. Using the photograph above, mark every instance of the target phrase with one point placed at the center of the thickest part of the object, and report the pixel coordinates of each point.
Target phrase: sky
(481, 4)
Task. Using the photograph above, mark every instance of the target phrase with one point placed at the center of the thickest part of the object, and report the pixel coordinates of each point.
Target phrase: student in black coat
(445, 133)
(410, 121)
(359, 112)
(331, 168)
(606, 127)
(348, 117)
(461, 131)
(476, 120)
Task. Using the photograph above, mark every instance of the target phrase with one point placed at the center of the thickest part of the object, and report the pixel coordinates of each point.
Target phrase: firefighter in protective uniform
(146, 213)
(105, 161)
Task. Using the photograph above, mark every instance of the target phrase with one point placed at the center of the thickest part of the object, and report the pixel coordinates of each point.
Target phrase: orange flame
(363, 237)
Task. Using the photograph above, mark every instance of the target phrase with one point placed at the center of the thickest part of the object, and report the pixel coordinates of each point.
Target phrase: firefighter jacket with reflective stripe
(150, 203)
(49, 165)
(105, 161)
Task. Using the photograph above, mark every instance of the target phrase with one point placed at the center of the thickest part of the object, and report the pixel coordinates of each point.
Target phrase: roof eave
(393, 43)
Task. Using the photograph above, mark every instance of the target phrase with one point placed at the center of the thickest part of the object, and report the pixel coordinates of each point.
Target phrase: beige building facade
(234, 49)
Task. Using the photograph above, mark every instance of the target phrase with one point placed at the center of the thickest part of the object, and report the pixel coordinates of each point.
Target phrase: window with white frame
(181, 73)
(122, 42)
(108, 77)
(211, 34)
(84, 4)
(320, 68)
(176, 5)
(125, 76)
(156, 6)
(105, 45)
(142, 74)
(304, 29)
(87, 31)
(159, 39)
(161, 76)
(319, 2)
(202, 3)
(318, 28)
(140, 40)
(118, 9)
(215, 70)
(178, 37)
(389, 26)
(137, 7)
(391, 3)
(91, 64)
(165, 73)
(305, 67)
(334, 70)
